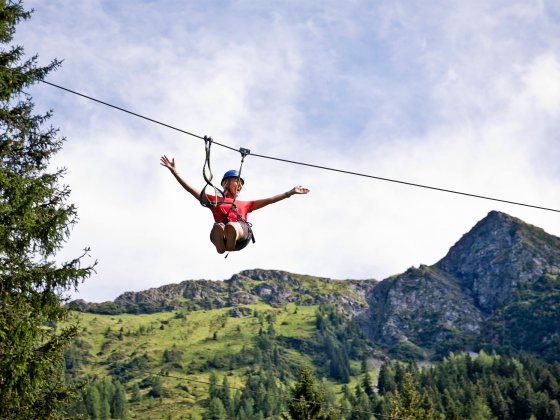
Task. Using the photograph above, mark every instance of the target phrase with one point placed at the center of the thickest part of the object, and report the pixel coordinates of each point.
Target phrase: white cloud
(457, 95)
(542, 84)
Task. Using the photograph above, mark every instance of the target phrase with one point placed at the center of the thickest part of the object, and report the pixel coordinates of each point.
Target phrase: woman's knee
(217, 237)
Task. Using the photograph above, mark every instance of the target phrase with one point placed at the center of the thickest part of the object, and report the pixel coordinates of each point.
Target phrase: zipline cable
(412, 184)
(134, 114)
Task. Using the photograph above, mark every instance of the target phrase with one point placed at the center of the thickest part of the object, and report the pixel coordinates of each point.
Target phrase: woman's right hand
(169, 164)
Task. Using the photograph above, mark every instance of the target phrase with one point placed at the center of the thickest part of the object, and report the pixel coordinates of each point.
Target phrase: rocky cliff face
(446, 306)
(497, 254)
(423, 307)
(274, 287)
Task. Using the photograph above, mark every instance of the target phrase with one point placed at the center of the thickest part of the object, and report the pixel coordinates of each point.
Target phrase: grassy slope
(110, 338)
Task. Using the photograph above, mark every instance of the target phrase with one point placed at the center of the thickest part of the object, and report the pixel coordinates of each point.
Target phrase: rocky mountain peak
(496, 254)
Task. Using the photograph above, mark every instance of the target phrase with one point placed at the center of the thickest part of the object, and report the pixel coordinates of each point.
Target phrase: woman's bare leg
(233, 231)
(217, 237)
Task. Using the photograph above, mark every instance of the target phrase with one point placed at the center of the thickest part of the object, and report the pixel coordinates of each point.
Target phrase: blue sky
(458, 95)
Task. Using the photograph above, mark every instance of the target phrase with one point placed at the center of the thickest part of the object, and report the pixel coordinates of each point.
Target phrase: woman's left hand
(298, 190)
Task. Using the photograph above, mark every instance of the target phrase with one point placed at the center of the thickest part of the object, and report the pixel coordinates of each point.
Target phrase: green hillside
(181, 349)
(242, 363)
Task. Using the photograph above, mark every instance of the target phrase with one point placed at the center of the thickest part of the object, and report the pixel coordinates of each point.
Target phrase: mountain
(473, 296)
(497, 287)
(274, 287)
(498, 254)
(420, 311)
(236, 347)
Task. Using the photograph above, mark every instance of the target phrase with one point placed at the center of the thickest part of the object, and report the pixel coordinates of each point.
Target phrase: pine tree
(452, 407)
(105, 409)
(386, 382)
(136, 396)
(407, 403)
(307, 402)
(246, 411)
(119, 405)
(92, 401)
(224, 394)
(156, 390)
(35, 223)
(213, 390)
(361, 407)
(367, 384)
(215, 411)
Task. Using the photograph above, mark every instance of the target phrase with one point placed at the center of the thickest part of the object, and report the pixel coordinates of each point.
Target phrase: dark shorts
(246, 235)
(246, 238)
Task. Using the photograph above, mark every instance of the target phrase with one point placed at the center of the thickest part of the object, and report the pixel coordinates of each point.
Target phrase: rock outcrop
(497, 254)
(446, 306)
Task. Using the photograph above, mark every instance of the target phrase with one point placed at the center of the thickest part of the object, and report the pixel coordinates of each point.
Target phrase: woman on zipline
(231, 231)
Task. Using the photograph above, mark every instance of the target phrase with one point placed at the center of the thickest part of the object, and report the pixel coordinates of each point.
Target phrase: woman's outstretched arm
(170, 164)
(259, 204)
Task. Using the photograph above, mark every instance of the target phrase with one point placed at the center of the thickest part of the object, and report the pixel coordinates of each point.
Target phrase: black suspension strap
(207, 174)
(244, 152)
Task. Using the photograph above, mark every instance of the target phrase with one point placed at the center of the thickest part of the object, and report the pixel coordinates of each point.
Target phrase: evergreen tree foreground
(35, 223)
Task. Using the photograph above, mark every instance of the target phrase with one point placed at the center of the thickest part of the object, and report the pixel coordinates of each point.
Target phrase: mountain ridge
(422, 313)
(513, 249)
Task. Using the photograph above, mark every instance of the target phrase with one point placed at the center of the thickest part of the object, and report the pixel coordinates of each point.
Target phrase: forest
(263, 380)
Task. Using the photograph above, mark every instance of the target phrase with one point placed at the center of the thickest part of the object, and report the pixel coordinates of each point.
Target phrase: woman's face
(233, 186)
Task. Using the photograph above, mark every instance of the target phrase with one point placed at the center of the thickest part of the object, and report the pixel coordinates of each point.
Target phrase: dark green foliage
(156, 387)
(461, 386)
(213, 386)
(35, 223)
(105, 308)
(386, 382)
(260, 398)
(336, 340)
(216, 410)
(367, 384)
(530, 321)
(267, 352)
(407, 403)
(364, 402)
(73, 359)
(263, 390)
(101, 399)
(125, 370)
(224, 394)
(173, 356)
(306, 401)
(407, 350)
(340, 339)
